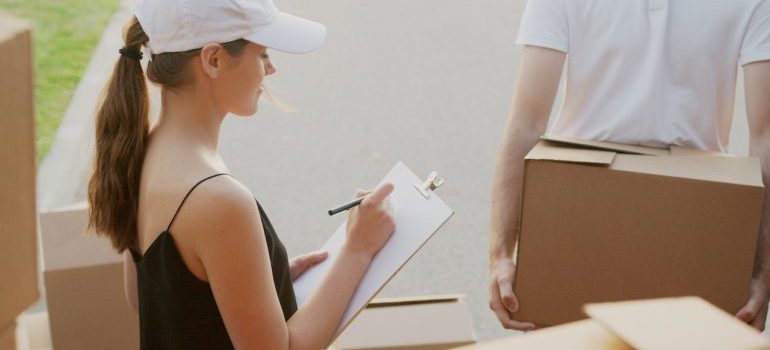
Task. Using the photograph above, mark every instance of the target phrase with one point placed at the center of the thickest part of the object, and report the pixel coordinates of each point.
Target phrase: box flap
(734, 170)
(429, 321)
(580, 335)
(546, 150)
(607, 146)
(677, 151)
(676, 323)
(66, 243)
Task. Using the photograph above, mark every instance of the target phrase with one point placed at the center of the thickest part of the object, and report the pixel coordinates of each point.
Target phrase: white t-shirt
(650, 72)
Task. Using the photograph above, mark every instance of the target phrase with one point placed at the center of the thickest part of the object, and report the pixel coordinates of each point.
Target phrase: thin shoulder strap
(188, 195)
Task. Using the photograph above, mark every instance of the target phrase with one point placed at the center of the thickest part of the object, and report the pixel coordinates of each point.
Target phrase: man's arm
(536, 87)
(757, 86)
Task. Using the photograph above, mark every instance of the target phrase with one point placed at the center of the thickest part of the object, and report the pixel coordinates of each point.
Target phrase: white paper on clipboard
(417, 219)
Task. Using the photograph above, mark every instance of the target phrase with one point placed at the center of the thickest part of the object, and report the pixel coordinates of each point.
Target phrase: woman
(204, 267)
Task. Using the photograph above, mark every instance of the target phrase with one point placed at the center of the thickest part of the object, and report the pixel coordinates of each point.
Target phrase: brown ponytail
(122, 127)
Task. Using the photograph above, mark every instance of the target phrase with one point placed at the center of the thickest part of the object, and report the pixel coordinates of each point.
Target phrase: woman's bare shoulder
(221, 200)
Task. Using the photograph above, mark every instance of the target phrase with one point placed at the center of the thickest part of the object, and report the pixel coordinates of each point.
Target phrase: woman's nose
(270, 69)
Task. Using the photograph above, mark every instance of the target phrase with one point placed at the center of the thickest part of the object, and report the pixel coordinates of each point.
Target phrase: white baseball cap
(181, 25)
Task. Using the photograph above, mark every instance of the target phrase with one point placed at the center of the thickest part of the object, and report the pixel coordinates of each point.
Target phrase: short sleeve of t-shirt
(756, 41)
(545, 24)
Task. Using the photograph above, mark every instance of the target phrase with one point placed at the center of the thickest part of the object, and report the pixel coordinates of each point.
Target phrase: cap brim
(290, 33)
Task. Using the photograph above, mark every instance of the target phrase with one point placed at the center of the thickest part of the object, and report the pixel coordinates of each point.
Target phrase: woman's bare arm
(230, 242)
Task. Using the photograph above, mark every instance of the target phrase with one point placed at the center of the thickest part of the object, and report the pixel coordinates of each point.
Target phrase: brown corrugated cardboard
(8, 337)
(84, 286)
(599, 145)
(685, 151)
(600, 225)
(579, 335)
(676, 323)
(18, 258)
(420, 323)
(688, 323)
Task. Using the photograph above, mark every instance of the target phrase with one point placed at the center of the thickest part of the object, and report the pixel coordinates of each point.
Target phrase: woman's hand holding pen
(369, 227)
(370, 224)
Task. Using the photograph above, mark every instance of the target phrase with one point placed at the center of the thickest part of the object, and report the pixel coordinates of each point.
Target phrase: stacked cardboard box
(8, 337)
(84, 285)
(18, 258)
(686, 323)
(420, 323)
(33, 331)
(607, 222)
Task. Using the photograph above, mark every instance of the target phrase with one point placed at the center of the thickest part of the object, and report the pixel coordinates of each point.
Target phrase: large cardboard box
(18, 258)
(687, 323)
(33, 331)
(420, 323)
(607, 222)
(87, 308)
(8, 337)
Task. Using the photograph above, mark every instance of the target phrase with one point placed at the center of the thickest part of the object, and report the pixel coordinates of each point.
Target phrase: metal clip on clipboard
(432, 183)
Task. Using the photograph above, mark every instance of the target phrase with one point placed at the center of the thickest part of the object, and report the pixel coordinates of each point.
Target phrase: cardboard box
(33, 331)
(83, 275)
(579, 335)
(607, 222)
(18, 249)
(8, 337)
(688, 323)
(420, 323)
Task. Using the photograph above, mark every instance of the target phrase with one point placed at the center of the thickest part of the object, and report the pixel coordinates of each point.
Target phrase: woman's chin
(250, 109)
(246, 112)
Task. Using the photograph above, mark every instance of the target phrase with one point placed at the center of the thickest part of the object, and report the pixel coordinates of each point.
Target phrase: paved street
(425, 82)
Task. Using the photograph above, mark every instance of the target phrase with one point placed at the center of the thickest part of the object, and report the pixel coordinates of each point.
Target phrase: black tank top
(177, 310)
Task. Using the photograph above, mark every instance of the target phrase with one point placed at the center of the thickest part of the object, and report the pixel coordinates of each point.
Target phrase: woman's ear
(211, 59)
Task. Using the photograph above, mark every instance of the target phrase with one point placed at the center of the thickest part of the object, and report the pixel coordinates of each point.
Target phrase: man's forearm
(536, 87)
(507, 186)
(760, 148)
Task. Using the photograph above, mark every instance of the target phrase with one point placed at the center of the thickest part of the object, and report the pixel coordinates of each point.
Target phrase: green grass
(65, 34)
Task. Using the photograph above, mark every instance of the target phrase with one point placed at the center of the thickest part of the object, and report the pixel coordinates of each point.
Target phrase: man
(648, 72)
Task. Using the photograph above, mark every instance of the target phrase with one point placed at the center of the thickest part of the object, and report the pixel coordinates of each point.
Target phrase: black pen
(346, 206)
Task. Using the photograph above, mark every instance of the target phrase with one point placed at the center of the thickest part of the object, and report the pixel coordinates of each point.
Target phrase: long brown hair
(122, 130)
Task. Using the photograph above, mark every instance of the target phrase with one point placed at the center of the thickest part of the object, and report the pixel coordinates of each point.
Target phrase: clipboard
(419, 213)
